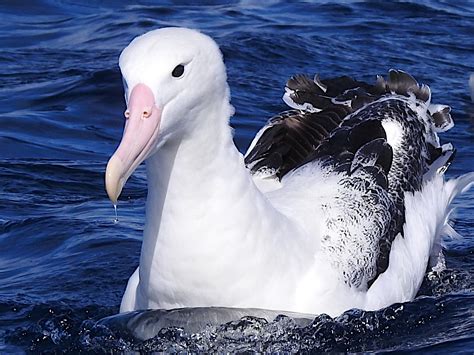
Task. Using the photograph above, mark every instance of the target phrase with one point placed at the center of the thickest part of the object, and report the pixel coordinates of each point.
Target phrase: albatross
(340, 202)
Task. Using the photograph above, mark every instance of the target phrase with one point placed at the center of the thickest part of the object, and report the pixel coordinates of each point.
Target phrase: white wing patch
(394, 131)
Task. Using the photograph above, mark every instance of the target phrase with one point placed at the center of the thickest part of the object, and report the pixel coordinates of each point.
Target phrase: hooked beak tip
(114, 180)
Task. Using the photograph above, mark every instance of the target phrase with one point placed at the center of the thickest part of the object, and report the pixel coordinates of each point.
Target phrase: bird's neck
(204, 215)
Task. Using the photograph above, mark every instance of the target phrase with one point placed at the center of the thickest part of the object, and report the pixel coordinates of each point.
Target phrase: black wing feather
(289, 138)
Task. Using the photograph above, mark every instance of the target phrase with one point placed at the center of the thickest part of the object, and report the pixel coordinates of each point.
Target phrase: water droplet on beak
(116, 216)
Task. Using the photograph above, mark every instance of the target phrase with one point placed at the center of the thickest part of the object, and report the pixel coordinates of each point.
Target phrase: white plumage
(217, 236)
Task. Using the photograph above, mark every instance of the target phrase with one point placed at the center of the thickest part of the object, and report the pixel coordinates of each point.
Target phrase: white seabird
(340, 206)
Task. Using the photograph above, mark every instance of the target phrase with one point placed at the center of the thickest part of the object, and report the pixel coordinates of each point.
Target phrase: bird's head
(169, 75)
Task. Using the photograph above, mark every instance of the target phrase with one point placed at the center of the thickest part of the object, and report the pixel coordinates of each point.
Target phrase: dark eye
(178, 71)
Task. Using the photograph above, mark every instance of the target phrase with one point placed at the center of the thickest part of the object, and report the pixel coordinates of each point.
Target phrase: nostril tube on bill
(147, 112)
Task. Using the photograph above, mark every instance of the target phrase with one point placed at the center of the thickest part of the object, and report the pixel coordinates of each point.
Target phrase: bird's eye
(178, 71)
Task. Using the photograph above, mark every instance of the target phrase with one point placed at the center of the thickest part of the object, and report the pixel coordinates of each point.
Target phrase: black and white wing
(380, 139)
(319, 107)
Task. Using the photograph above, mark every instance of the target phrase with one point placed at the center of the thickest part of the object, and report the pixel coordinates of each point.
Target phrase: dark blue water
(64, 263)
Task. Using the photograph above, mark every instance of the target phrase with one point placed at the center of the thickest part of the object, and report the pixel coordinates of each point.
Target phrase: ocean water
(64, 262)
